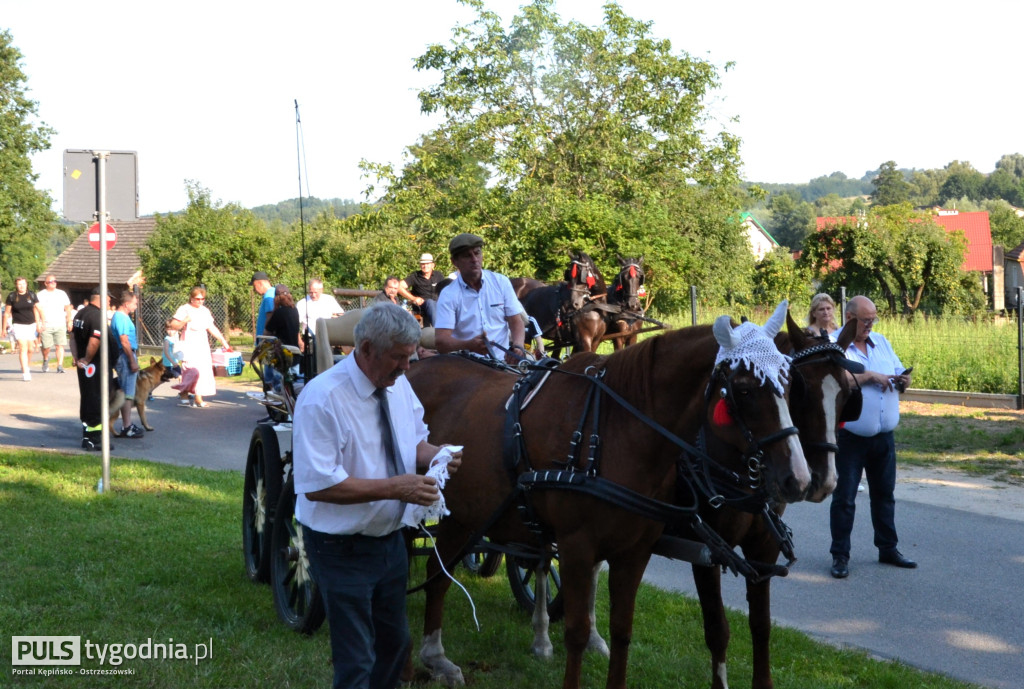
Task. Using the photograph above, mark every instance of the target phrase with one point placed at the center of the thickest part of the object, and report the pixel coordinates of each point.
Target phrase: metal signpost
(82, 202)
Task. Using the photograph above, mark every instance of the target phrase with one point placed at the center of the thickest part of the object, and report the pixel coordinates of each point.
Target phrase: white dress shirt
(881, 411)
(467, 312)
(336, 434)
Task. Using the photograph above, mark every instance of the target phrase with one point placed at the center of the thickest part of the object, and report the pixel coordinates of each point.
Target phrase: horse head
(626, 288)
(747, 406)
(822, 396)
(583, 279)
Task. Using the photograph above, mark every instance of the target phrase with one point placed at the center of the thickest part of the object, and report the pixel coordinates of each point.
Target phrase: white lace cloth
(438, 470)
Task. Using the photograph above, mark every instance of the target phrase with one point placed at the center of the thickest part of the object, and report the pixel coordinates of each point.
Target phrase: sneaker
(184, 402)
(46, 366)
(132, 431)
(60, 369)
(26, 376)
(93, 445)
(860, 488)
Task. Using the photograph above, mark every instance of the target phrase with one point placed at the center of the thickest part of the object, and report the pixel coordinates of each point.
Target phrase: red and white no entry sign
(110, 236)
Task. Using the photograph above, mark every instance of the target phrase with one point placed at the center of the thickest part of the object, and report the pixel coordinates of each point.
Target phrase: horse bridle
(832, 352)
(632, 269)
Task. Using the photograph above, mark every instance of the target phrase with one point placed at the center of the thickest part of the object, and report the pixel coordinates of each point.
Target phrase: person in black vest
(86, 332)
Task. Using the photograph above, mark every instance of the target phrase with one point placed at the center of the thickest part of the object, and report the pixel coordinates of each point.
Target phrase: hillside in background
(287, 212)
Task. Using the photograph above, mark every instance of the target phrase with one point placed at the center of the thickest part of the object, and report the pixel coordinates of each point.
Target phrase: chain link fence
(155, 308)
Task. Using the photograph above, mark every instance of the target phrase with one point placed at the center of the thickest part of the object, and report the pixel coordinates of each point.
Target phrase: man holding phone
(867, 444)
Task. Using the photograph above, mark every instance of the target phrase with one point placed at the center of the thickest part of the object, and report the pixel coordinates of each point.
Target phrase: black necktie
(387, 433)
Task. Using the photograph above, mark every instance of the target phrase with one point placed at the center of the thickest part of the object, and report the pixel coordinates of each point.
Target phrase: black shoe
(132, 431)
(93, 445)
(895, 558)
(840, 567)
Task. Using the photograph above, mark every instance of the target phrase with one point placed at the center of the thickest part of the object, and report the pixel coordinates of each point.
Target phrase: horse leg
(708, 581)
(759, 600)
(624, 576)
(541, 646)
(595, 643)
(431, 650)
(576, 564)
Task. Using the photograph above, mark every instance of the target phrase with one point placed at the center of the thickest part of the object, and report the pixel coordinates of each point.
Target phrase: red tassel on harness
(722, 416)
(590, 281)
(632, 271)
(573, 273)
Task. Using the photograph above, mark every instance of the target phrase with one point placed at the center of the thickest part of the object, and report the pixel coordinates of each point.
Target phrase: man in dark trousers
(867, 444)
(86, 332)
(358, 440)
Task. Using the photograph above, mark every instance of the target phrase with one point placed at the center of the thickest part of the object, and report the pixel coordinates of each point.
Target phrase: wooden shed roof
(78, 267)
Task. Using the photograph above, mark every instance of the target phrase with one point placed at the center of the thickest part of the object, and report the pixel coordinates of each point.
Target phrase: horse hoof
(446, 672)
(598, 645)
(543, 650)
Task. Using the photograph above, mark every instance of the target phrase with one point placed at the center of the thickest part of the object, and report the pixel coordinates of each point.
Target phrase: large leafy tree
(558, 135)
(216, 246)
(894, 254)
(890, 186)
(26, 220)
(791, 219)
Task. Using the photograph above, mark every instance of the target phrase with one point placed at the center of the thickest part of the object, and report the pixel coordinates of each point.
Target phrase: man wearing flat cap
(261, 285)
(420, 288)
(479, 310)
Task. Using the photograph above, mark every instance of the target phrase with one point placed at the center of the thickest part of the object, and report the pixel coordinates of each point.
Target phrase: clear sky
(205, 91)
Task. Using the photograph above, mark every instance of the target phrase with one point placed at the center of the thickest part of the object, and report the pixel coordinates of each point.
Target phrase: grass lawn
(986, 442)
(159, 558)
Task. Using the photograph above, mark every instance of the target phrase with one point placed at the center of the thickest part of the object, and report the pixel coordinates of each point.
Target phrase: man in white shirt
(315, 305)
(867, 444)
(355, 458)
(479, 310)
(58, 317)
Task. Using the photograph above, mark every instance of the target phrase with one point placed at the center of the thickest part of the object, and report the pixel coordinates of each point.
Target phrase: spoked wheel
(296, 597)
(261, 490)
(521, 579)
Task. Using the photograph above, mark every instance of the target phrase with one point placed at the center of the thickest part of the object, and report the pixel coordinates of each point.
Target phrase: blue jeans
(876, 457)
(362, 581)
(427, 309)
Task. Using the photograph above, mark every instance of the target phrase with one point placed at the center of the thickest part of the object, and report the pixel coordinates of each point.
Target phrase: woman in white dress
(196, 324)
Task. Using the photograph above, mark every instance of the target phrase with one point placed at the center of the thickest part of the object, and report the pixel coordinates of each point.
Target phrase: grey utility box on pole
(81, 185)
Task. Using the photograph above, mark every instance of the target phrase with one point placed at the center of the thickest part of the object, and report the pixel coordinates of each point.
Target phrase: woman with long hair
(822, 316)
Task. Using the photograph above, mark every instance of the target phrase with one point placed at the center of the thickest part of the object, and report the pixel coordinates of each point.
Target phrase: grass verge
(159, 558)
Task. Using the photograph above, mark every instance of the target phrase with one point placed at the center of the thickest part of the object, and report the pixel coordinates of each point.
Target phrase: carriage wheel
(521, 573)
(259, 498)
(296, 596)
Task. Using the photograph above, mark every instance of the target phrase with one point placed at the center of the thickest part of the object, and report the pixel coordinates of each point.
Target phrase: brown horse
(623, 294)
(820, 391)
(465, 404)
(565, 312)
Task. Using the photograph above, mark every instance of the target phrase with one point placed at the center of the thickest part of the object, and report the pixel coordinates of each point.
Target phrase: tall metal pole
(842, 306)
(693, 304)
(104, 372)
(1020, 347)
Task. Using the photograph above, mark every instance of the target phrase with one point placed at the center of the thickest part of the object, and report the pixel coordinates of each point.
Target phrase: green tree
(26, 221)
(1013, 164)
(925, 186)
(218, 247)
(558, 135)
(896, 255)
(791, 220)
(890, 186)
(961, 180)
(777, 276)
(1001, 184)
(1007, 226)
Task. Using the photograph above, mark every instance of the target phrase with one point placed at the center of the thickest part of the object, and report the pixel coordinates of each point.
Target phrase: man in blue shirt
(127, 366)
(479, 309)
(867, 444)
(261, 285)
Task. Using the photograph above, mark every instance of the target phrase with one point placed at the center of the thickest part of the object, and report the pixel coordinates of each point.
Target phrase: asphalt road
(959, 613)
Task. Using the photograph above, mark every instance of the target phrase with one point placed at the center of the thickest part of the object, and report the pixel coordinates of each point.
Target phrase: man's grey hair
(385, 325)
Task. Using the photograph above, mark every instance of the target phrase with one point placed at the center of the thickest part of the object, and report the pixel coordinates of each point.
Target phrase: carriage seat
(340, 332)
